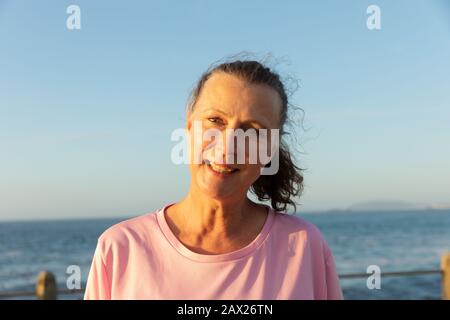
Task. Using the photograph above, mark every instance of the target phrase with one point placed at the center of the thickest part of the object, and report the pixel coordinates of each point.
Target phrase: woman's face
(227, 103)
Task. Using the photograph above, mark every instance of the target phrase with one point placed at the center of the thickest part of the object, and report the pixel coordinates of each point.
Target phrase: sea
(389, 240)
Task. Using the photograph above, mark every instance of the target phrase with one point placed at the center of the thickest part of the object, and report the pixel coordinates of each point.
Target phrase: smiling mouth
(220, 169)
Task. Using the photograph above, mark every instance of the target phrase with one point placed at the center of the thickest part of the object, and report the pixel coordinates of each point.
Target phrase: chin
(220, 187)
(218, 192)
(216, 188)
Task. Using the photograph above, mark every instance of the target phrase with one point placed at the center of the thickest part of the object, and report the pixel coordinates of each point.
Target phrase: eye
(251, 129)
(215, 120)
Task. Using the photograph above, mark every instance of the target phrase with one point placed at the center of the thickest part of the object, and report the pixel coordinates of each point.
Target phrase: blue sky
(86, 115)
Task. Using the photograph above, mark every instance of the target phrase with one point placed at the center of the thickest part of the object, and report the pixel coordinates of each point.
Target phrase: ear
(188, 120)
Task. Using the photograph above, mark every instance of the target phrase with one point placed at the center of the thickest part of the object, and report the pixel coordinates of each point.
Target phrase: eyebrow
(250, 121)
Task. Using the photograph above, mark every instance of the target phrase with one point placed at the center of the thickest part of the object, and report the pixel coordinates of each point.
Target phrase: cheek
(252, 173)
(196, 147)
(202, 147)
(257, 151)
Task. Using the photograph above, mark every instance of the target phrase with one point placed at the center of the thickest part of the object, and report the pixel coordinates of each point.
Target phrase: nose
(225, 147)
(231, 146)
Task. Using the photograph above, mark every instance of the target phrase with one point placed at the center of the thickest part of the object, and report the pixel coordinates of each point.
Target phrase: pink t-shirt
(141, 258)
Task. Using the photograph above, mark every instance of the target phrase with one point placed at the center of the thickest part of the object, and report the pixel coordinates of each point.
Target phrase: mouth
(219, 169)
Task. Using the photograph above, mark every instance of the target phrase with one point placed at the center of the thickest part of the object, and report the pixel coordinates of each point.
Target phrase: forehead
(235, 95)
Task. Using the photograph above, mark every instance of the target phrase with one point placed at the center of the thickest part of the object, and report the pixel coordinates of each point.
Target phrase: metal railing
(391, 274)
(46, 288)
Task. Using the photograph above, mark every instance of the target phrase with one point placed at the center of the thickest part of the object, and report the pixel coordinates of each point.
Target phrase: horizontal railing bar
(33, 293)
(391, 274)
(13, 294)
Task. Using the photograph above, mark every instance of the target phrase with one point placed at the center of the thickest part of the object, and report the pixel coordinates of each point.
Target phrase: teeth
(220, 169)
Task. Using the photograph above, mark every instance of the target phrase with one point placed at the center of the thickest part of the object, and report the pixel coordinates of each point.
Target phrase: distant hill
(394, 206)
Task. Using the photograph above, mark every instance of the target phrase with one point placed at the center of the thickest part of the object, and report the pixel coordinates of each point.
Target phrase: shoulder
(301, 230)
(124, 234)
(295, 224)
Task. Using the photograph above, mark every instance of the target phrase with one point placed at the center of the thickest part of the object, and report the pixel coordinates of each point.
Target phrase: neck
(210, 217)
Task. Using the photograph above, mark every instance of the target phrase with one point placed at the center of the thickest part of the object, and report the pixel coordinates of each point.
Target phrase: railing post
(46, 286)
(445, 267)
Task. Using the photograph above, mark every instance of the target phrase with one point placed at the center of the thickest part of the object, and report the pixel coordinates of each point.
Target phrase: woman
(216, 243)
